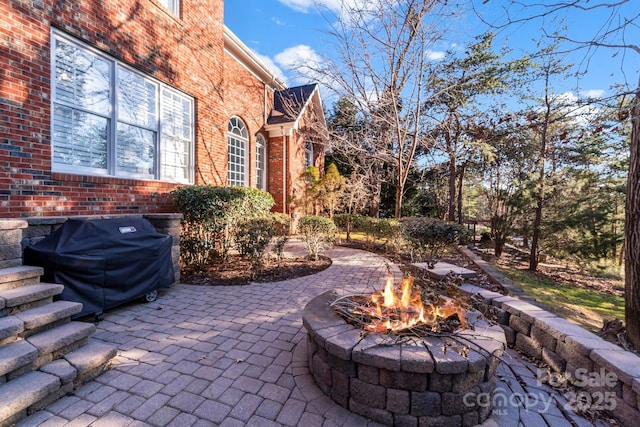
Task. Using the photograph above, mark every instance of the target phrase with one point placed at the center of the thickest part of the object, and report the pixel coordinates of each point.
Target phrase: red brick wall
(275, 178)
(186, 53)
(244, 97)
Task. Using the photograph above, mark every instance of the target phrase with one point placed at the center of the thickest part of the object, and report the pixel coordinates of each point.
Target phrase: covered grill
(103, 263)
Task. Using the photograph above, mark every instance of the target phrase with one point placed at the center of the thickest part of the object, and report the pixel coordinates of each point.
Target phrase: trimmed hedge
(210, 217)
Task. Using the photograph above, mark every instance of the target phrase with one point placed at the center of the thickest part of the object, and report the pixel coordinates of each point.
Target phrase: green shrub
(317, 233)
(252, 236)
(347, 223)
(210, 215)
(384, 230)
(282, 224)
(430, 237)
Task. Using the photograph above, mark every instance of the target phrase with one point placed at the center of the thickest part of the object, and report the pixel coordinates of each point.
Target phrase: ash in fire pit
(402, 376)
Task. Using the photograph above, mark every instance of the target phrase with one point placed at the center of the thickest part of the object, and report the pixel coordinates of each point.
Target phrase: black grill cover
(105, 262)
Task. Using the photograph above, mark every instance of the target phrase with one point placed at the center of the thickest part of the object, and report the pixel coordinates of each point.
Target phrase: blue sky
(282, 31)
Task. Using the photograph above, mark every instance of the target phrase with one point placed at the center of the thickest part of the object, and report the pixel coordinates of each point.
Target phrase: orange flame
(398, 309)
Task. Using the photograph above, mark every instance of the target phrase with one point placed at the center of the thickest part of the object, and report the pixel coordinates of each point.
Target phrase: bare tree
(381, 50)
(618, 22)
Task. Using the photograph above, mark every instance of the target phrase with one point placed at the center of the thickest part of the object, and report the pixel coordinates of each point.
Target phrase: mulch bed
(237, 271)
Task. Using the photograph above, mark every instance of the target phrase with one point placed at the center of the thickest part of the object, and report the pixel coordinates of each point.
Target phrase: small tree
(331, 188)
(317, 233)
(311, 177)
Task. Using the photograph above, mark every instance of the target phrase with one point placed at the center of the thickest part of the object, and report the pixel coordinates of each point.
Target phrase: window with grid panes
(111, 120)
(237, 140)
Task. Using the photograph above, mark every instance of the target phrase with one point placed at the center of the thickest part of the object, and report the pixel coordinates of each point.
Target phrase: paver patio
(236, 356)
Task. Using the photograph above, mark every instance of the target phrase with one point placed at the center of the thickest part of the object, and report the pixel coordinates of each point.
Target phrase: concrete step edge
(10, 326)
(15, 276)
(16, 355)
(91, 360)
(30, 293)
(49, 313)
(23, 392)
(54, 339)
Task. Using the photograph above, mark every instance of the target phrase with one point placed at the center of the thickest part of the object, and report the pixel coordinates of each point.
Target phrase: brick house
(106, 106)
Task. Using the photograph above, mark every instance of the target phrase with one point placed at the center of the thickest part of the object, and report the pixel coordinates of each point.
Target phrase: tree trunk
(451, 216)
(460, 187)
(632, 231)
(374, 204)
(537, 223)
(398, 207)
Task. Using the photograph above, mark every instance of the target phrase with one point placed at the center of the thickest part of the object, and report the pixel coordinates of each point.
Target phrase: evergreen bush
(430, 237)
(210, 216)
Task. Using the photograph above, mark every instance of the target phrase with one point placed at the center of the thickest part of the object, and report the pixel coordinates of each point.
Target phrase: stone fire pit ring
(403, 380)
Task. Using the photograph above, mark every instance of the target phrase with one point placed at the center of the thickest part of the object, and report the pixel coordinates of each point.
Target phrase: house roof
(288, 104)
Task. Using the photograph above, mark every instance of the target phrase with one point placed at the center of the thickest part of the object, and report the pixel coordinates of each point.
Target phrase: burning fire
(396, 309)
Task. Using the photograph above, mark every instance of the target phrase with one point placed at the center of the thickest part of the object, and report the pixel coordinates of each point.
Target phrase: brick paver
(236, 356)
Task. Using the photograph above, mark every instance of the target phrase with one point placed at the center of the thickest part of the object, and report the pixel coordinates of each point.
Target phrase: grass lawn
(586, 307)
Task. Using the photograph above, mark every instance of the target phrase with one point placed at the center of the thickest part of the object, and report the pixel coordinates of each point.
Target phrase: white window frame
(113, 119)
(172, 6)
(308, 154)
(237, 152)
(261, 162)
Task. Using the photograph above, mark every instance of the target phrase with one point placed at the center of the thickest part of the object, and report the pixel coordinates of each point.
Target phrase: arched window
(308, 154)
(261, 158)
(237, 139)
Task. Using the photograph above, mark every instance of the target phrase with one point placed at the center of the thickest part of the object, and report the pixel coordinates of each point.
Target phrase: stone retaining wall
(16, 234)
(607, 377)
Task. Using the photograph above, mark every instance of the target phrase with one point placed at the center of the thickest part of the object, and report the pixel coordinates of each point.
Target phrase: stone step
(55, 343)
(17, 357)
(28, 296)
(441, 269)
(10, 329)
(38, 318)
(23, 392)
(90, 360)
(15, 277)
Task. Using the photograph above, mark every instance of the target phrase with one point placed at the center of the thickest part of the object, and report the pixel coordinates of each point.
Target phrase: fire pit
(439, 370)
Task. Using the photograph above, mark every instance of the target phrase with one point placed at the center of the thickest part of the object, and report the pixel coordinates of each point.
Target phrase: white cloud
(337, 6)
(303, 63)
(277, 21)
(594, 93)
(568, 102)
(303, 6)
(435, 55)
(298, 56)
(271, 66)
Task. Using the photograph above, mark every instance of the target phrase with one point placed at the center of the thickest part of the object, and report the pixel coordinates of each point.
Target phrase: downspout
(264, 106)
(284, 170)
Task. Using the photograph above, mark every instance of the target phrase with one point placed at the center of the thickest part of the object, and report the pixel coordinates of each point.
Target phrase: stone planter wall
(607, 377)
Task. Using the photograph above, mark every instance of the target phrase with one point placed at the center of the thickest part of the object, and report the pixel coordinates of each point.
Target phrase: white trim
(261, 141)
(276, 129)
(245, 57)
